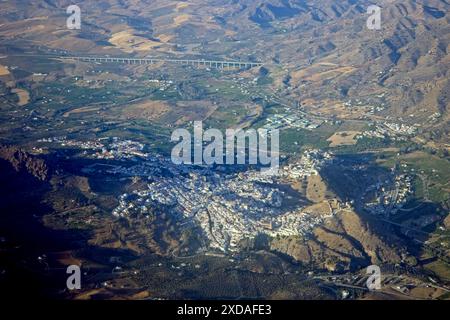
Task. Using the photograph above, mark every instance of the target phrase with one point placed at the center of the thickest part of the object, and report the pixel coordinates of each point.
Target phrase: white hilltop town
(228, 207)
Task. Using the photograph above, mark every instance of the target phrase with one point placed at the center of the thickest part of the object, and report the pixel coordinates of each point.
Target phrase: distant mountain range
(319, 52)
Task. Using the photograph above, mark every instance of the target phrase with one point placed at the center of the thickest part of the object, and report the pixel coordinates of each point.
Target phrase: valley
(85, 149)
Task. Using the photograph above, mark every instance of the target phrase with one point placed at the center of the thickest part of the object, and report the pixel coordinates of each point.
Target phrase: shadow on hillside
(27, 247)
(350, 176)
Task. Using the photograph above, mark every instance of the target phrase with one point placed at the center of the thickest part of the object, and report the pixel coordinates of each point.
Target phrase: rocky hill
(345, 242)
(23, 162)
